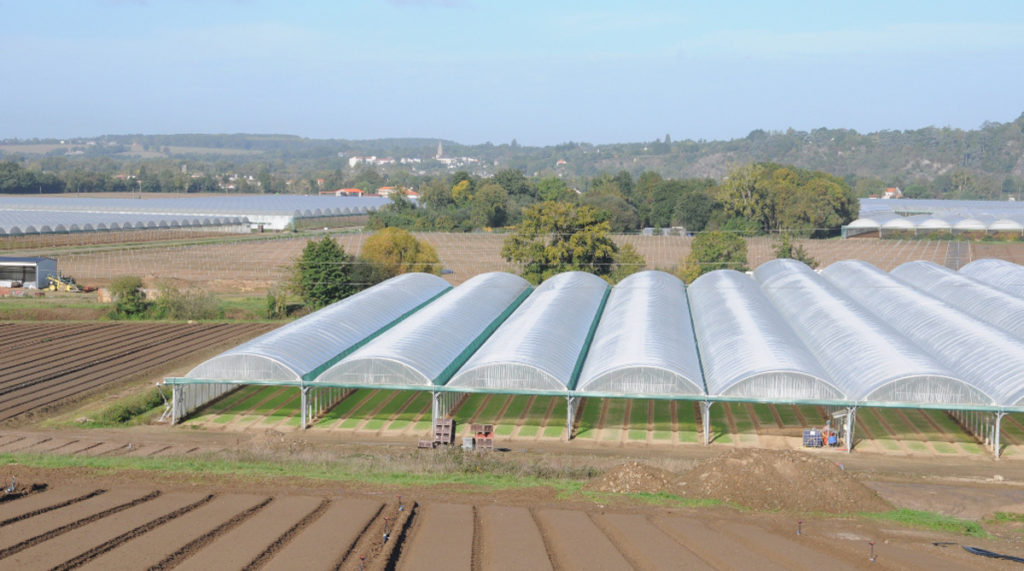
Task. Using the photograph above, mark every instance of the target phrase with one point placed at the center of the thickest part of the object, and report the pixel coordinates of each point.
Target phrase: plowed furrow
(327, 540)
(95, 353)
(181, 554)
(145, 551)
(49, 508)
(32, 541)
(287, 536)
(129, 535)
(109, 371)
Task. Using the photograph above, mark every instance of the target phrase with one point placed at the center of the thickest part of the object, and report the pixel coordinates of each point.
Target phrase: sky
(475, 71)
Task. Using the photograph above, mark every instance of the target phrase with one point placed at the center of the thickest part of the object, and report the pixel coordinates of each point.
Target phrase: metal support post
(851, 425)
(570, 415)
(705, 416)
(435, 410)
(304, 405)
(176, 404)
(999, 422)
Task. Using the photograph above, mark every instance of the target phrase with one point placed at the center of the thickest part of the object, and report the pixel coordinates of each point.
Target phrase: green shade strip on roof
(696, 345)
(466, 353)
(578, 368)
(316, 372)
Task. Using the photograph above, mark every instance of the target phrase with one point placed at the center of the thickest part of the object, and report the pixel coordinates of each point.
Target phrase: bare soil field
(81, 518)
(254, 266)
(49, 363)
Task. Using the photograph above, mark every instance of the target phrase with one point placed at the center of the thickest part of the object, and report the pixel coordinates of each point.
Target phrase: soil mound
(783, 480)
(634, 477)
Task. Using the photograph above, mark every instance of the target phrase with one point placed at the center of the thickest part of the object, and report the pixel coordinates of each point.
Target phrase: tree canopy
(396, 251)
(322, 274)
(788, 199)
(556, 237)
(715, 250)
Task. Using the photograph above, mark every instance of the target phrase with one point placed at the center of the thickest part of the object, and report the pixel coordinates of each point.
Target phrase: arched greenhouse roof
(541, 345)
(644, 343)
(297, 350)
(865, 357)
(989, 361)
(747, 347)
(430, 345)
(999, 274)
(979, 300)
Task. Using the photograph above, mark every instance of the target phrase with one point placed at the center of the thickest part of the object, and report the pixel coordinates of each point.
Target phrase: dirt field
(254, 266)
(78, 518)
(47, 363)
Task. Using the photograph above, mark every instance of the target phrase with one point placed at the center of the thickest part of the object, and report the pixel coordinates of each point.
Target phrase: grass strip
(591, 416)
(452, 468)
(662, 420)
(929, 520)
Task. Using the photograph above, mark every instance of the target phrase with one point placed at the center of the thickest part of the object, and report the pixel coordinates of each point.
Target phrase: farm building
(851, 336)
(32, 273)
(31, 215)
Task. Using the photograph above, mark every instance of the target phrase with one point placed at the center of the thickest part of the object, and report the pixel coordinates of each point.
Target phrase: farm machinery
(66, 283)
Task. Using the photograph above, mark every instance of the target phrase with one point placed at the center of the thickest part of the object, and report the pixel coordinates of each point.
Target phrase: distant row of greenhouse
(21, 215)
(887, 218)
(849, 336)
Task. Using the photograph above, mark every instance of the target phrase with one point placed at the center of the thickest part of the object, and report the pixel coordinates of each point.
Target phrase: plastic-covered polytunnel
(979, 300)
(300, 350)
(644, 344)
(865, 357)
(847, 337)
(999, 274)
(542, 345)
(747, 348)
(987, 362)
(433, 343)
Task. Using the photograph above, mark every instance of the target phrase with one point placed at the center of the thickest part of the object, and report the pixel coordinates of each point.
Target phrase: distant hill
(931, 162)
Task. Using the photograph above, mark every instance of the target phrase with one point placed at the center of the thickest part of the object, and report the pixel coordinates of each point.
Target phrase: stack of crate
(484, 436)
(444, 433)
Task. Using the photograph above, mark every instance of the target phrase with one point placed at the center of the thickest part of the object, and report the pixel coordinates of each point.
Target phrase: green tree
(322, 274)
(553, 188)
(396, 251)
(621, 214)
(129, 297)
(557, 237)
(787, 249)
(514, 182)
(712, 251)
(628, 261)
(490, 206)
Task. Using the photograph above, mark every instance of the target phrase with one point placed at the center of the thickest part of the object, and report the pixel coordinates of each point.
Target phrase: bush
(129, 299)
(190, 304)
(125, 411)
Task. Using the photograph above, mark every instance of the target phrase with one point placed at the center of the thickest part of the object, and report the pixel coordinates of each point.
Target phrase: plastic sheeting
(981, 301)
(294, 351)
(999, 274)
(988, 359)
(747, 348)
(644, 344)
(863, 356)
(540, 346)
(17, 222)
(428, 346)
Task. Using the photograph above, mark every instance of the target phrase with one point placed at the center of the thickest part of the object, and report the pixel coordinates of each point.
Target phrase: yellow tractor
(63, 283)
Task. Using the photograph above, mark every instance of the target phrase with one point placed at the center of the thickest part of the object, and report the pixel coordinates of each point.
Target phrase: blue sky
(473, 71)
